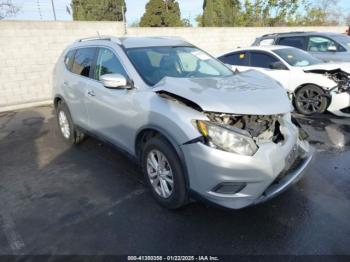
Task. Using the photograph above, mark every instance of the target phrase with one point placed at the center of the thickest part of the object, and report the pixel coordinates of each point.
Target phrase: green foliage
(103, 10)
(270, 13)
(162, 13)
(220, 13)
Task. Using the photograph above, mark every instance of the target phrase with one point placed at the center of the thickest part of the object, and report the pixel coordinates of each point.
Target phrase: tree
(104, 10)
(162, 13)
(7, 9)
(220, 13)
(269, 12)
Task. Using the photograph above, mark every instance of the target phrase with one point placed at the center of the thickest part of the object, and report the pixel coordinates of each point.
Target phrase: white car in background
(313, 85)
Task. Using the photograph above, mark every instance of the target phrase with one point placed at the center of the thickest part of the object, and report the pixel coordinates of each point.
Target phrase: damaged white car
(314, 86)
(197, 128)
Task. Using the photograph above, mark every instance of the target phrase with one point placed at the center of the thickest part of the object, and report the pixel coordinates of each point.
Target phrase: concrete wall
(29, 50)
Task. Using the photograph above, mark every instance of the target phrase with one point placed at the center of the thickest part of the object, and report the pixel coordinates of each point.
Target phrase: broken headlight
(227, 138)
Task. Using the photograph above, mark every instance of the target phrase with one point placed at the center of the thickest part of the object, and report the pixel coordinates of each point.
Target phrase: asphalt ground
(91, 200)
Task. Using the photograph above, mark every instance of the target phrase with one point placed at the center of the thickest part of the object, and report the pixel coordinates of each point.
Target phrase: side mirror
(332, 48)
(115, 81)
(278, 66)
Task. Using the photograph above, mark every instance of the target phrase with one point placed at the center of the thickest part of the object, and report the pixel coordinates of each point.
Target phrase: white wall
(29, 50)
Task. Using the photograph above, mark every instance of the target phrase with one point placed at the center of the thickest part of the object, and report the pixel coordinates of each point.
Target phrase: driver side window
(108, 63)
(321, 44)
(262, 60)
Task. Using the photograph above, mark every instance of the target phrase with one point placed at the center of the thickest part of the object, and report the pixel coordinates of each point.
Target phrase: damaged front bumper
(272, 169)
(340, 103)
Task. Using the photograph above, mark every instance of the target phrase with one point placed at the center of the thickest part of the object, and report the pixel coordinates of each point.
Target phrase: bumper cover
(339, 101)
(208, 167)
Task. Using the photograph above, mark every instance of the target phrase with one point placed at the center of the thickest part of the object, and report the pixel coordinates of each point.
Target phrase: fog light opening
(229, 187)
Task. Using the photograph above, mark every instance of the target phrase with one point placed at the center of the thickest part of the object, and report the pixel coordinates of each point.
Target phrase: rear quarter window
(68, 59)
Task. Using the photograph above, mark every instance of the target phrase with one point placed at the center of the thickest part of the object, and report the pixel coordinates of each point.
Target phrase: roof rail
(105, 38)
(286, 33)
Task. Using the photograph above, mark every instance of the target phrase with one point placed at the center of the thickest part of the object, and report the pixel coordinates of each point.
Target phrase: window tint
(68, 60)
(83, 61)
(240, 59)
(108, 63)
(263, 60)
(321, 44)
(295, 41)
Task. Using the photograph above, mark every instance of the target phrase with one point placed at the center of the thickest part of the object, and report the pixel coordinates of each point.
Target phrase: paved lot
(91, 199)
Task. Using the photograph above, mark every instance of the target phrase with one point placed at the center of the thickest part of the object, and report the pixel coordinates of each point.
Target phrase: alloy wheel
(64, 124)
(310, 100)
(160, 173)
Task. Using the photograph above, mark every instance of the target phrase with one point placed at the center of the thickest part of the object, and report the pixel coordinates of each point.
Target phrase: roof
(136, 42)
(300, 33)
(262, 48)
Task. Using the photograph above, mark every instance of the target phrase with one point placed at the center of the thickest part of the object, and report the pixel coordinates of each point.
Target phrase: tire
(172, 170)
(68, 131)
(310, 99)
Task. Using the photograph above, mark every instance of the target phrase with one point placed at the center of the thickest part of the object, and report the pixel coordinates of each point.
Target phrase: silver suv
(197, 128)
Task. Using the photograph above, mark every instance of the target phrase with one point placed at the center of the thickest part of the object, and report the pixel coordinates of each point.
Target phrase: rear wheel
(310, 99)
(65, 123)
(163, 173)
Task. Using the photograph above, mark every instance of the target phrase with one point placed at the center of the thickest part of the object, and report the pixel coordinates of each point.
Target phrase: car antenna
(99, 36)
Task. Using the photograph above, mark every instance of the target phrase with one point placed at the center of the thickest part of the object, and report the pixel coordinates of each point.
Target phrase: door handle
(65, 83)
(91, 93)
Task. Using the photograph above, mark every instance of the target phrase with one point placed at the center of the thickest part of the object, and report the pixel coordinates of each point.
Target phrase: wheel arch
(151, 131)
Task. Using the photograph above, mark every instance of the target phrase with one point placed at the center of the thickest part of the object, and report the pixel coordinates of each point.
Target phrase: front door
(108, 109)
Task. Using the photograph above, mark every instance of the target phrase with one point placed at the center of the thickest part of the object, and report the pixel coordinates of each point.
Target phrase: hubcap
(160, 173)
(64, 124)
(310, 101)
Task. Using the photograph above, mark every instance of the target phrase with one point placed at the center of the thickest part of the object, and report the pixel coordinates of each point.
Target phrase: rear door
(77, 83)
(262, 61)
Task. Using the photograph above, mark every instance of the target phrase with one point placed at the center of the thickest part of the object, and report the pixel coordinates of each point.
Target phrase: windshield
(343, 39)
(155, 63)
(297, 57)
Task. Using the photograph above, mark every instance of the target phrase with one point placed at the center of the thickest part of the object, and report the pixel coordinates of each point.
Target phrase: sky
(42, 9)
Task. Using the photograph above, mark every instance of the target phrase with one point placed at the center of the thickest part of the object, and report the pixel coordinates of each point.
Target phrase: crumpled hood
(249, 92)
(329, 67)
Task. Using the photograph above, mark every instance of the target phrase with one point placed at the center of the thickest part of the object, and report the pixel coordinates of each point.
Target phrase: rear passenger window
(297, 42)
(261, 60)
(239, 59)
(83, 61)
(69, 58)
(108, 63)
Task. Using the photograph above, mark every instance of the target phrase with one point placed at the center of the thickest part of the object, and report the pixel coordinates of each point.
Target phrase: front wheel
(310, 99)
(163, 173)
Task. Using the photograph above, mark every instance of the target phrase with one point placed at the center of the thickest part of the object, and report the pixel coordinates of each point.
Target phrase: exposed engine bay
(337, 75)
(261, 128)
